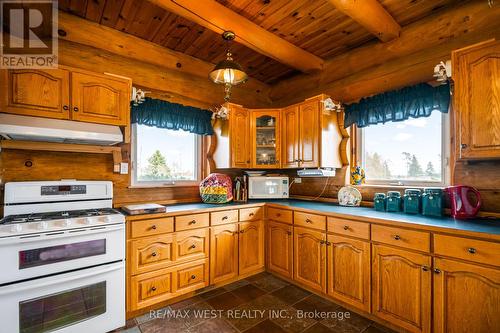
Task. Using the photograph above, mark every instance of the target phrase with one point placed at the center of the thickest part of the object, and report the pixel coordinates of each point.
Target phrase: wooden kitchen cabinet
(476, 73)
(401, 287)
(40, 93)
(251, 247)
(280, 249)
(223, 252)
(150, 253)
(265, 136)
(239, 136)
(309, 134)
(290, 137)
(349, 271)
(309, 258)
(466, 297)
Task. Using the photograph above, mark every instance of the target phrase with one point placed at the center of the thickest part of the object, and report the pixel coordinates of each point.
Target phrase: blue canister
(432, 202)
(411, 201)
(379, 202)
(393, 201)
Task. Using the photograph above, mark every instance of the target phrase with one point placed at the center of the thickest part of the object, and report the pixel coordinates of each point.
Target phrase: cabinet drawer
(251, 214)
(411, 239)
(192, 277)
(151, 288)
(192, 244)
(227, 216)
(193, 221)
(349, 228)
(151, 253)
(152, 227)
(280, 215)
(467, 249)
(310, 220)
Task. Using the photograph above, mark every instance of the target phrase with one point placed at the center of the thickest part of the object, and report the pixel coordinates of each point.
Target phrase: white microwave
(262, 187)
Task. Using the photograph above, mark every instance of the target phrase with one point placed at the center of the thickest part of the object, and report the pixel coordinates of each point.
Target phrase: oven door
(31, 256)
(90, 300)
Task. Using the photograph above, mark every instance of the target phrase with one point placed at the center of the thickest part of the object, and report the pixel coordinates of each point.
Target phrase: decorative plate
(349, 196)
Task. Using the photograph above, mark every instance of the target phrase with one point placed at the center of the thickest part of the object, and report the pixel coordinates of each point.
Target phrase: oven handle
(61, 278)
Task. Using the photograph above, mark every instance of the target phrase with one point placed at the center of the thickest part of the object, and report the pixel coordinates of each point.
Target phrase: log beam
(216, 17)
(372, 16)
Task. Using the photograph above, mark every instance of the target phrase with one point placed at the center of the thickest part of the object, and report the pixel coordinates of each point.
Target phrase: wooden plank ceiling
(315, 26)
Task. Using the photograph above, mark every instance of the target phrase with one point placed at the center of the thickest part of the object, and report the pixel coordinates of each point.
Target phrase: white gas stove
(62, 249)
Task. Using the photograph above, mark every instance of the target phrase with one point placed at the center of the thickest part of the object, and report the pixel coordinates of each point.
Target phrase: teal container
(379, 202)
(411, 201)
(393, 201)
(432, 202)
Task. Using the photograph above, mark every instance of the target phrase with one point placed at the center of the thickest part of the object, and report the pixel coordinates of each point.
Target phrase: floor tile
(134, 329)
(196, 313)
(377, 328)
(218, 325)
(257, 277)
(266, 326)
(291, 294)
(186, 302)
(225, 301)
(236, 285)
(319, 328)
(292, 322)
(345, 320)
(164, 325)
(212, 293)
(248, 292)
(270, 283)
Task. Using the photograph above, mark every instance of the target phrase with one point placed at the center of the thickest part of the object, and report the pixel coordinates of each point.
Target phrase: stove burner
(24, 218)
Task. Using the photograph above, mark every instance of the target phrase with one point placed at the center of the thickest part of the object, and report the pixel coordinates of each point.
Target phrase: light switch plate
(123, 168)
(297, 180)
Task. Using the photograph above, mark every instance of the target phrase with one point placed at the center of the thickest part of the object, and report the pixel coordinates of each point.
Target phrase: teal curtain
(415, 102)
(163, 114)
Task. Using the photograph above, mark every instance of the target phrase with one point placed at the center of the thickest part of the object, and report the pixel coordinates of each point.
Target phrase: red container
(461, 207)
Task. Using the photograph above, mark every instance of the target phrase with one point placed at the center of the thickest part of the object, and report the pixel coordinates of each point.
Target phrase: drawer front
(193, 244)
(147, 254)
(151, 288)
(151, 227)
(349, 228)
(226, 216)
(193, 276)
(411, 239)
(310, 220)
(467, 249)
(251, 214)
(193, 221)
(280, 215)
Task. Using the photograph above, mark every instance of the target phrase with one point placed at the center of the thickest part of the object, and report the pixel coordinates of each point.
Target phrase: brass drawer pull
(278, 214)
(153, 288)
(224, 218)
(192, 222)
(437, 270)
(308, 221)
(346, 227)
(251, 214)
(192, 246)
(193, 277)
(425, 268)
(396, 237)
(153, 254)
(471, 250)
(153, 227)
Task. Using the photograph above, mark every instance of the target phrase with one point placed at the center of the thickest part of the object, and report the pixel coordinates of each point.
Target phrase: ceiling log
(372, 16)
(216, 17)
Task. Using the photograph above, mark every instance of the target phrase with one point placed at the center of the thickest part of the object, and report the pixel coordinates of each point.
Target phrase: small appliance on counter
(349, 196)
(149, 208)
(461, 207)
(393, 201)
(262, 187)
(379, 202)
(216, 188)
(432, 202)
(411, 201)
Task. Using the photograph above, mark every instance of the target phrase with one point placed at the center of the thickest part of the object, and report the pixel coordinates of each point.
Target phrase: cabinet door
(192, 244)
(401, 286)
(309, 131)
(477, 100)
(223, 253)
(151, 253)
(349, 271)
(265, 135)
(100, 99)
(309, 258)
(280, 249)
(290, 137)
(239, 136)
(251, 246)
(30, 92)
(466, 298)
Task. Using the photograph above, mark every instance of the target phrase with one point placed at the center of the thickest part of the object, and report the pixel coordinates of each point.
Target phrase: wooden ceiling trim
(218, 18)
(471, 19)
(371, 15)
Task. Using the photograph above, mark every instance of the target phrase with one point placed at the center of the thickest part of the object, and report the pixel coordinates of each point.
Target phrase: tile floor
(259, 304)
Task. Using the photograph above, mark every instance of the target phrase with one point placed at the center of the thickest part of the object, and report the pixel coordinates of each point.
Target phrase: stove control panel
(63, 189)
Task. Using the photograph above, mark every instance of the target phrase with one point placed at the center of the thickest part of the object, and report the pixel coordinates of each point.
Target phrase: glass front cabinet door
(265, 129)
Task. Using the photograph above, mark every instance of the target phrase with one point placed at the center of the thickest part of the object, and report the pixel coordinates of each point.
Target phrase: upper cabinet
(239, 136)
(309, 131)
(290, 138)
(66, 94)
(265, 135)
(476, 73)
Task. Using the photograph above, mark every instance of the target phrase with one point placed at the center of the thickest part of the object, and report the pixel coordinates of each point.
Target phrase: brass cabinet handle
(192, 222)
(75, 109)
(396, 237)
(322, 242)
(328, 243)
(463, 146)
(192, 246)
(346, 227)
(425, 268)
(224, 218)
(153, 288)
(193, 277)
(437, 270)
(153, 227)
(251, 214)
(308, 221)
(242, 231)
(153, 254)
(65, 107)
(471, 250)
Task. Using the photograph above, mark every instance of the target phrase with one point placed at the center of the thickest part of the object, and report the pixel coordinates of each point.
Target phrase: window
(165, 157)
(410, 152)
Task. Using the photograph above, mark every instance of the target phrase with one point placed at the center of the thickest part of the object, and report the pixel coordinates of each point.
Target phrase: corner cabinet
(476, 73)
(265, 133)
(239, 136)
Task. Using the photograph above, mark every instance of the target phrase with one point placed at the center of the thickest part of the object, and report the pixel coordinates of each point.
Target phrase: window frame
(164, 183)
(445, 159)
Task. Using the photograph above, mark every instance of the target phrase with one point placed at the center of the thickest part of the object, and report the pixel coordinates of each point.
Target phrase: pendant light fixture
(228, 72)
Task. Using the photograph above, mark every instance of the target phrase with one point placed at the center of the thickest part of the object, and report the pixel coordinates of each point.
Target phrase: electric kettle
(461, 207)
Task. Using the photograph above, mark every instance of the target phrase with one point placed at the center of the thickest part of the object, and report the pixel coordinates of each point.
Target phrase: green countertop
(490, 226)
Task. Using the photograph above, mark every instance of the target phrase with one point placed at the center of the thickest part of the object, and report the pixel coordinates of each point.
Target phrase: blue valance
(398, 105)
(163, 114)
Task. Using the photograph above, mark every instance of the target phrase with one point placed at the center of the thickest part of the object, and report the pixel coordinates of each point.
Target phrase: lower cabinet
(251, 246)
(401, 288)
(466, 297)
(280, 249)
(223, 252)
(310, 258)
(349, 271)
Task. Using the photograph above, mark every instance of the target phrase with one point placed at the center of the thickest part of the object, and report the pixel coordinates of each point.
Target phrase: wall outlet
(123, 168)
(297, 180)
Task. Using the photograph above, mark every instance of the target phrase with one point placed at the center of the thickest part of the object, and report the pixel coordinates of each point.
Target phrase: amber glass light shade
(228, 71)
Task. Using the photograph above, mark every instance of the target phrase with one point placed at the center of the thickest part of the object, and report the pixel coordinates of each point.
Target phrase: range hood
(16, 127)
(321, 172)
